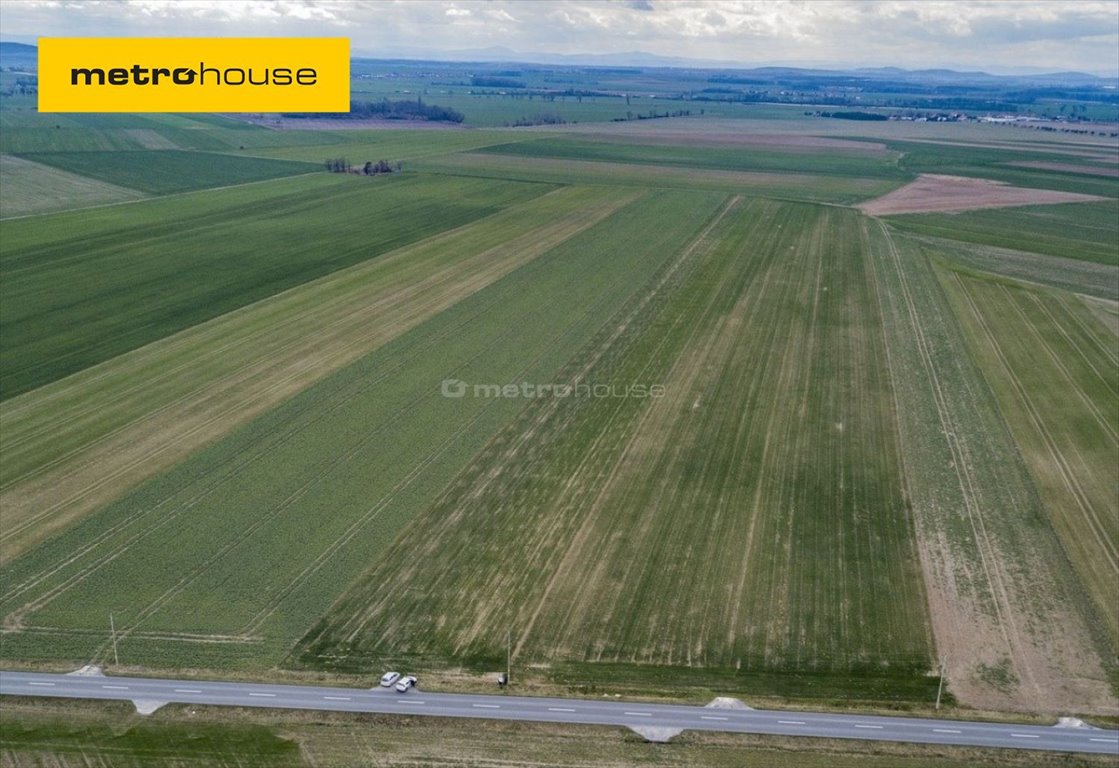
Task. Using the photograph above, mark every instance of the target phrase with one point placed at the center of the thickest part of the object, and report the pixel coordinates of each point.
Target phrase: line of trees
(388, 110)
(341, 165)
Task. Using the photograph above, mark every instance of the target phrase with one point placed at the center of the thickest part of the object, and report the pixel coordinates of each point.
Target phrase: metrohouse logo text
(138, 75)
(194, 75)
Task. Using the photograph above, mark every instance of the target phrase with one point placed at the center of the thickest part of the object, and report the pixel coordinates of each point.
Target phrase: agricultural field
(152, 269)
(275, 421)
(1055, 373)
(1009, 615)
(358, 453)
(78, 443)
(163, 171)
(584, 543)
(30, 188)
(1084, 231)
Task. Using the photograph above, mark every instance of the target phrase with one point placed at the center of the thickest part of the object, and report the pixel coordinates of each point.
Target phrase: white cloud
(992, 34)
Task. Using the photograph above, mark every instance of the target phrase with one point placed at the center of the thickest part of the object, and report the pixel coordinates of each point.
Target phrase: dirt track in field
(949, 194)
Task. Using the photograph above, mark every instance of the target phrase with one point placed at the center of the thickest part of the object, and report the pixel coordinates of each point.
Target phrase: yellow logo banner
(179, 74)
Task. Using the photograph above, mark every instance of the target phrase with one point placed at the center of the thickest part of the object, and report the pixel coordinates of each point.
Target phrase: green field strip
(619, 531)
(1081, 231)
(162, 171)
(792, 186)
(74, 445)
(255, 535)
(1008, 611)
(959, 159)
(28, 188)
(1086, 278)
(72, 295)
(1056, 376)
(390, 144)
(836, 162)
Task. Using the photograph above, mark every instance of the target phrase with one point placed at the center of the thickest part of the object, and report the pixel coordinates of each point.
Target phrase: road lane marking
(40, 683)
(944, 730)
(560, 709)
(269, 695)
(411, 701)
(188, 690)
(1109, 741)
(712, 717)
(487, 706)
(1025, 736)
(640, 714)
(859, 725)
(116, 687)
(337, 698)
(791, 722)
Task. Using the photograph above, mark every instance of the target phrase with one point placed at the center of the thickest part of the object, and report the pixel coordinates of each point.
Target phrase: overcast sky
(995, 35)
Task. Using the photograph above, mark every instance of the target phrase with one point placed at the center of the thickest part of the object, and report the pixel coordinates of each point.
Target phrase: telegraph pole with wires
(113, 634)
(940, 687)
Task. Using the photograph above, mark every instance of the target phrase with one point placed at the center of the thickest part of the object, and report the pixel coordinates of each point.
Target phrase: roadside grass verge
(65, 734)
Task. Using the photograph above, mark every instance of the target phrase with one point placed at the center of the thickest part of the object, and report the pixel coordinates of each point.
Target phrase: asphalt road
(574, 711)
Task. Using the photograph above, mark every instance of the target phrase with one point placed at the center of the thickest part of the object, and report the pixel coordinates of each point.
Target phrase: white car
(389, 678)
(405, 683)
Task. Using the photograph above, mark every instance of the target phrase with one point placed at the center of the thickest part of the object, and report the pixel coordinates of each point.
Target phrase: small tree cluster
(381, 166)
(337, 165)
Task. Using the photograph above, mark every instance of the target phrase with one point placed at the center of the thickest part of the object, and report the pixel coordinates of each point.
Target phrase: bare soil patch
(937, 193)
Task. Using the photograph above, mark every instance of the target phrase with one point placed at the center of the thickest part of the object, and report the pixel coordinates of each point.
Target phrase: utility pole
(940, 687)
(508, 653)
(113, 633)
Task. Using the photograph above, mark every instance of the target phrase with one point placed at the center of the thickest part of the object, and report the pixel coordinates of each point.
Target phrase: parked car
(389, 678)
(405, 683)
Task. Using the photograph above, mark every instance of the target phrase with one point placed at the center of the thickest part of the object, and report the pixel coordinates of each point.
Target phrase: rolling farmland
(81, 442)
(589, 538)
(32, 188)
(1056, 375)
(325, 455)
(878, 442)
(153, 269)
(1007, 610)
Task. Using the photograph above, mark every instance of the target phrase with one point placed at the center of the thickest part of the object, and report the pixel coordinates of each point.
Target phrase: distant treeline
(542, 118)
(388, 110)
(853, 115)
(495, 82)
(653, 114)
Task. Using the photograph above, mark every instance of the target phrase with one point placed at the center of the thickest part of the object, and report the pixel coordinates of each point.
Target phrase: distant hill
(18, 56)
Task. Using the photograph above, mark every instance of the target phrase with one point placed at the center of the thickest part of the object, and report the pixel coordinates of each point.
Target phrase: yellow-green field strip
(79, 443)
(1056, 374)
(794, 186)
